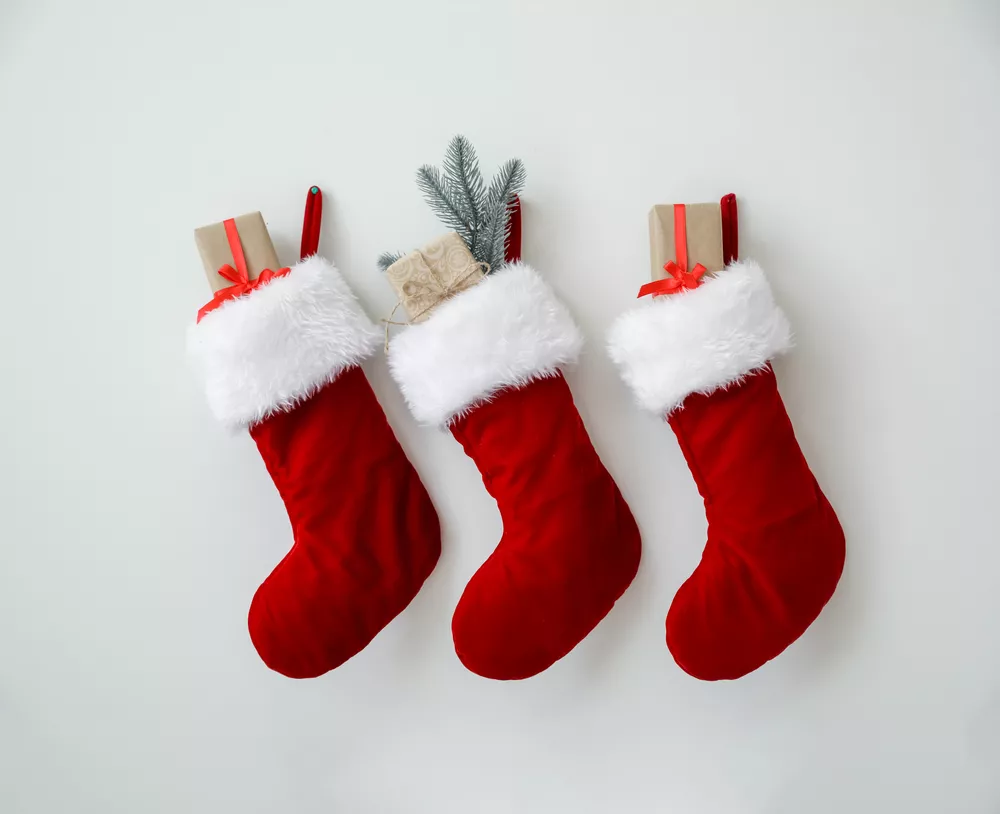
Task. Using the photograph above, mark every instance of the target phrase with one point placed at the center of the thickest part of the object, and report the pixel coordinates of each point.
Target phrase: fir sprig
(461, 168)
(386, 259)
(458, 196)
(440, 195)
(506, 184)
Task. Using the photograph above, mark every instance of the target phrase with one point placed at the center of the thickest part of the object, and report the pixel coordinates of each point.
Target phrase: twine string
(445, 289)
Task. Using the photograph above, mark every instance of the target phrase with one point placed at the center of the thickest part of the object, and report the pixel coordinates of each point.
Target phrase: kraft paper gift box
(213, 246)
(426, 277)
(711, 235)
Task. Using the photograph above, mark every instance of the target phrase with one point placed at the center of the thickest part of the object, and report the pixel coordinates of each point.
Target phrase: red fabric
(366, 534)
(730, 229)
(312, 220)
(775, 548)
(512, 252)
(570, 546)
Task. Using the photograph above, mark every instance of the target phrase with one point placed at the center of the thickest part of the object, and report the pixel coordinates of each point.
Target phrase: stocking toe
(503, 634)
(744, 605)
(511, 629)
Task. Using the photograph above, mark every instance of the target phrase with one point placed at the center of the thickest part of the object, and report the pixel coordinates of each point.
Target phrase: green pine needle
(443, 200)
(508, 182)
(386, 259)
(461, 167)
(458, 196)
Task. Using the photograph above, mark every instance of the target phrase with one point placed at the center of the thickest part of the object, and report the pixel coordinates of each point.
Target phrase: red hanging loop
(311, 223)
(730, 230)
(513, 252)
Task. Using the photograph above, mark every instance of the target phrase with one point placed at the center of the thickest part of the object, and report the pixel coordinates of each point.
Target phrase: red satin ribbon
(677, 281)
(239, 276)
(680, 278)
(681, 236)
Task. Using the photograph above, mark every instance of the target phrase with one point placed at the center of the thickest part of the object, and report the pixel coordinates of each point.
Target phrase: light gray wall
(862, 140)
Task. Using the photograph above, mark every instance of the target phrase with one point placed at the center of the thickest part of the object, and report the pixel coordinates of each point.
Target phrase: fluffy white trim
(700, 340)
(265, 352)
(504, 332)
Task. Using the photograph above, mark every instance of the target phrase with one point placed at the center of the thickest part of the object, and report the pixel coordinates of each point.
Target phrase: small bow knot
(679, 280)
(241, 285)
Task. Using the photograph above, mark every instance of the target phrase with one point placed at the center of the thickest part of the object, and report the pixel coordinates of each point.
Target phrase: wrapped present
(215, 248)
(687, 241)
(426, 277)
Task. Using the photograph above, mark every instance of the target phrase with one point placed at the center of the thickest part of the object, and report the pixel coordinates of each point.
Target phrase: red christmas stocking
(282, 359)
(775, 549)
(486, 364)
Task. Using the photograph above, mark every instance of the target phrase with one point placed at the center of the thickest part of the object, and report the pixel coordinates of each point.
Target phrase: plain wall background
(862, 140)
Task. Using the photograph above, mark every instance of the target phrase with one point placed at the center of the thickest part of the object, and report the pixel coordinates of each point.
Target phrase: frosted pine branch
(443, 201)
(508, 182)
(459, 197)
(461, 168)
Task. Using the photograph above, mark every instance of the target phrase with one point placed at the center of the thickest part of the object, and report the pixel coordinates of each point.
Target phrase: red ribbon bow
(239, 276)
(241, 285)
(677, 281)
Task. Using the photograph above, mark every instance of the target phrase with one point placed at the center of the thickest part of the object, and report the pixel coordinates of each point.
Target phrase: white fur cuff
(504, 332)
(265, 352)
(700, 340)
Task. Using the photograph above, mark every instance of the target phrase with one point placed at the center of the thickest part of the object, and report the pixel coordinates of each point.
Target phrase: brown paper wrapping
(426, 277)
(213, 246)
(704, 237)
